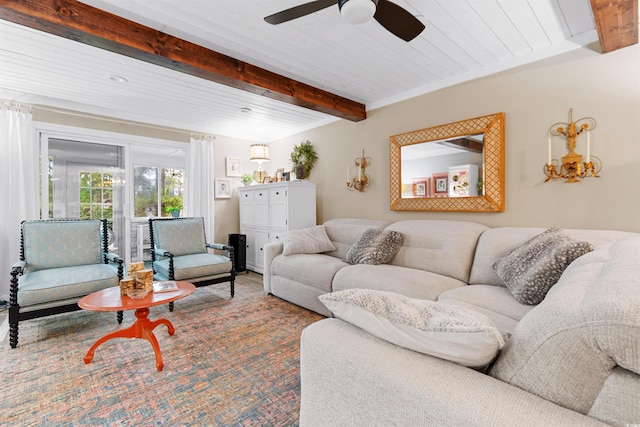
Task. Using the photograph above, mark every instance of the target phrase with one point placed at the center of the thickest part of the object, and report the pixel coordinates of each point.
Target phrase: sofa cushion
(310, 240)
(315, 270)
(566, 349)
(56, 244)
(191, 267)
(443, 247)
(59, 284)
(495, 302)
(183, 236)
(440, 330)
(529, 270)
(494, 243)
(375, 247)
(410, 282)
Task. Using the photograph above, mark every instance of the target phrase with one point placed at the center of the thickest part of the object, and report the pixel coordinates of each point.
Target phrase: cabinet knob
(260, 194)
(277, 192)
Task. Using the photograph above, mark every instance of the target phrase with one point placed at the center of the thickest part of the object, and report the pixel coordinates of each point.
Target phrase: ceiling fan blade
(398, 20)
(299, 11)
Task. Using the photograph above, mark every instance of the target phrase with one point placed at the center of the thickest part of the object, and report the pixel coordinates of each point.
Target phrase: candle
(549, 148)
(347, 173)
(588, 146)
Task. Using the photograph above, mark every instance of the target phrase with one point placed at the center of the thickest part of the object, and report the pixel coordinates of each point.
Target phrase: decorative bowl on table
(137, 293)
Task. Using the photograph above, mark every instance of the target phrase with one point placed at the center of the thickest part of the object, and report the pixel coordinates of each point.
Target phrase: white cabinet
(269, 210)
(463, 181)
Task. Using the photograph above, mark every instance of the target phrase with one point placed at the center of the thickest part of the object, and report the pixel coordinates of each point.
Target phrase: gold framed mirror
(429, 190)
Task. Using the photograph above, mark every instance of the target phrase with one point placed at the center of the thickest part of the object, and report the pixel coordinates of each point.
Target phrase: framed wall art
(234, 166)
(223, 188)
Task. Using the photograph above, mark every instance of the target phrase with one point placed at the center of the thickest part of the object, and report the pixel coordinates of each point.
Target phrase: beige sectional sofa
(573, 359)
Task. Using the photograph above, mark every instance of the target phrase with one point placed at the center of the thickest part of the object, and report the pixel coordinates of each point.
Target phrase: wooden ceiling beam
(616, 23)
(83, 23)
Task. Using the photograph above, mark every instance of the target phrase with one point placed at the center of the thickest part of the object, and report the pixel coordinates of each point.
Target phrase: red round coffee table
(110, 300)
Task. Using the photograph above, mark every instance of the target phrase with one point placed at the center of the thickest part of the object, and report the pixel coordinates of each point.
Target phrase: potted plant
(246, 179)
(172, 204)
(174, 211)
(303, 158)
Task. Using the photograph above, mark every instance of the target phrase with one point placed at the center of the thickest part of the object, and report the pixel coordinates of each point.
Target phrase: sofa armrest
(115, 259)
(349, 377)
(219, 246)
(18, 268)
(163, 253)
(271, 250)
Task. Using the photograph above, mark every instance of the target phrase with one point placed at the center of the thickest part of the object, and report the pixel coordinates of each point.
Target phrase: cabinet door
(276, 235)
(261, 208)
(278, 208)
(246, 208)
(251, 248)
(261, 238)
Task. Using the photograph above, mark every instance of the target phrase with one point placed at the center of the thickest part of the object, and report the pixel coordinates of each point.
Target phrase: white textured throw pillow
(312, 240)
(446, 331)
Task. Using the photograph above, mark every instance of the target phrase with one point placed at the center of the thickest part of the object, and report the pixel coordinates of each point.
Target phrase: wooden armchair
(179, 251)
(60, 262)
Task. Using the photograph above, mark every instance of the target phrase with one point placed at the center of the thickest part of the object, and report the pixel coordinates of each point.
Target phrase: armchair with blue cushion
(179, 251)
(60, 262)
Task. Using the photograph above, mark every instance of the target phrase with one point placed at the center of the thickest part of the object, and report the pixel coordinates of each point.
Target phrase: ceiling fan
(388, 14)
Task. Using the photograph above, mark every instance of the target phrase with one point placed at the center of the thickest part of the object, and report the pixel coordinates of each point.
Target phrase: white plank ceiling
(463, 40)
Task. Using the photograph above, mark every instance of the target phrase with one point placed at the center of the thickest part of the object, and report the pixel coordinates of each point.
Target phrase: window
(96, 195)
(157, 190)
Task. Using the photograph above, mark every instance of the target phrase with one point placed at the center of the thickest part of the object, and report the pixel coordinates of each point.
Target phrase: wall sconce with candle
(361, 181)
(572, 166)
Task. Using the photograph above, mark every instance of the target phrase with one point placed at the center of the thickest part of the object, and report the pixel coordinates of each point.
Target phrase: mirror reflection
(455, 167)
(451, 167)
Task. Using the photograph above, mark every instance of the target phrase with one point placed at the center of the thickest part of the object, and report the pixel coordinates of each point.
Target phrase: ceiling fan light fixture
(357, 11)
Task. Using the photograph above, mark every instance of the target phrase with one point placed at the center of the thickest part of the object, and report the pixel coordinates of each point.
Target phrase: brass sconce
(572, 166)
(362, 180)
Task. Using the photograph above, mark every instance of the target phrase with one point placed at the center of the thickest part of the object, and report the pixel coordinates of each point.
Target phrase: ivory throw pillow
(442, 330)
(531, 269)
(311, 240)
(375, 246)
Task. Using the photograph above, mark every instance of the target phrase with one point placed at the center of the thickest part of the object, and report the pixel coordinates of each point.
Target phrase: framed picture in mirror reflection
(440, 184)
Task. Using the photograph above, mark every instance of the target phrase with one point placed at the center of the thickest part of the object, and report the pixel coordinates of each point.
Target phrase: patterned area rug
(232, 361)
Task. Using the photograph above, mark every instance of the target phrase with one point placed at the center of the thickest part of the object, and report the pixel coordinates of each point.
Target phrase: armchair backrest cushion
(56, 244)
(181, 236)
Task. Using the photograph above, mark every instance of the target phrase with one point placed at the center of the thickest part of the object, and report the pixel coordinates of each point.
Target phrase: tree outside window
(157, 190)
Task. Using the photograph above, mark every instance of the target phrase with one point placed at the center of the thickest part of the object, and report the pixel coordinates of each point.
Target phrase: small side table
(110, 300)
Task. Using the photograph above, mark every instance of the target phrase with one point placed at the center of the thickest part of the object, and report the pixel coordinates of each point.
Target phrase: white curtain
(199, 182)
(19, 189)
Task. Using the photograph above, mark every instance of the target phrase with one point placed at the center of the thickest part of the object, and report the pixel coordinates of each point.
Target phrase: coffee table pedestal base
(142, 328)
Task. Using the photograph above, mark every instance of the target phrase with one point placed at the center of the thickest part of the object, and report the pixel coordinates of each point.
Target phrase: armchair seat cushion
(193, 266)
(63, 283)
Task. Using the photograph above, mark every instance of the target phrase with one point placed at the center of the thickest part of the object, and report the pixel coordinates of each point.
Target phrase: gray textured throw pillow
(375, 246)
(531, 269)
